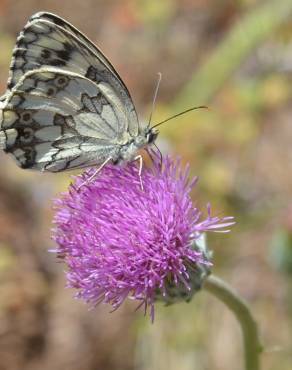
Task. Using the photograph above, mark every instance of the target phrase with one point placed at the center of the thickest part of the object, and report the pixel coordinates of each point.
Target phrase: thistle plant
(120, 241)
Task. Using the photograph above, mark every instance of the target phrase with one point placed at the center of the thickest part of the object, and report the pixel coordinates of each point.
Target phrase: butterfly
(65, 106)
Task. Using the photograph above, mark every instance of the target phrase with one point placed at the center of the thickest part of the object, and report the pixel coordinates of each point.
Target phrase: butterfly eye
(151, 137)
(25, 118)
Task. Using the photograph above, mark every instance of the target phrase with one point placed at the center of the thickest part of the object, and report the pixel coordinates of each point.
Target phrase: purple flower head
(120, 241)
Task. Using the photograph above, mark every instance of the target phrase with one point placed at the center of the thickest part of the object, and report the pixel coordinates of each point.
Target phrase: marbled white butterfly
(65, 106)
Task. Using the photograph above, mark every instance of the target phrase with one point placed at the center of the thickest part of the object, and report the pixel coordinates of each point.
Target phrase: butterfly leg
(151, 154)
(140, 159)
(94, 173)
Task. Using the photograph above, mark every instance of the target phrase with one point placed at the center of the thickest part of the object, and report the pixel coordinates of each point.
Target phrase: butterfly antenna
(154, 97)
(180, 114)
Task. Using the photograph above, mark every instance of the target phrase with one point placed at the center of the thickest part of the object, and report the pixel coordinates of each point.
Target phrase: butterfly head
(151, 135)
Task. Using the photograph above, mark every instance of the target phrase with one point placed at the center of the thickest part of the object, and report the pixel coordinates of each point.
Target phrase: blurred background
(236, 57)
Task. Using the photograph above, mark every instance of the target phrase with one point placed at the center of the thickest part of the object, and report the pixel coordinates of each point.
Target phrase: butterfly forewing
(82, 39)
(48, 40)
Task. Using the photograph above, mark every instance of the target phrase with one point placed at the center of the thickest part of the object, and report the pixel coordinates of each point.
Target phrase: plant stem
(251, 341)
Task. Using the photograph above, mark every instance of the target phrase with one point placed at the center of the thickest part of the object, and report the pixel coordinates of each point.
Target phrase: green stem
(247, 33)
(251, 341)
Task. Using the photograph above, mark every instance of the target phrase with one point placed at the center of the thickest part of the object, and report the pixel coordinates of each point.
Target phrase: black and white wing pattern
(48, 40)
(65, 106)
(56, 120)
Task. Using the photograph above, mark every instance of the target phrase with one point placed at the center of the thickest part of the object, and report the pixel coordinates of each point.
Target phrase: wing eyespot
(61, 82)
(26, 135)
(25, 118)
(51, 91)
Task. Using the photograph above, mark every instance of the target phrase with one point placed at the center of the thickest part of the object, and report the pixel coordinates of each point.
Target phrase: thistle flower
(120, 241)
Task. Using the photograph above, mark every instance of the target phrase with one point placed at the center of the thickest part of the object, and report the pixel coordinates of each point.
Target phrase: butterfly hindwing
(55, 120)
